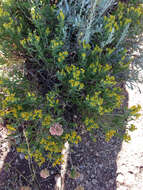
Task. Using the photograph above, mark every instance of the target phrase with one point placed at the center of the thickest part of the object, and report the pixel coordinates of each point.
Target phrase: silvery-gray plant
(86, 18)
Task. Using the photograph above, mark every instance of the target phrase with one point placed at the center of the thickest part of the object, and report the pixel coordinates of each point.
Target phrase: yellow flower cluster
(110, 51)
(47, 120)
(86, 46)
(109, 135)
(77, 74)
(26, 115)
(62, 56)
(127, 20)
(126, 137)
(62, 73)
(34, 14)
(138, 10)
(58, 161)
(72, 137)
(134, 111)
(98, 67)
(10, 127)
(90, 123)
(93, 67)
(10, 98)
(55, 44)
(95, 101)
(37, 38)
(97, 49)
(111, 23)
(61, 15)
(2, 113)
(107, 67)
(9, 24)
(3, 13)
(37, 114)
(38, 157)
(30, 36)
(47, 31)
(110, 80)
(75, 83)
(14, 112)
(23, 42)
(132, 127)
(23, 150)
(75, 70)
(19, 28)
(50, 145)
(113, 94)
(52, 100)
(83, 55)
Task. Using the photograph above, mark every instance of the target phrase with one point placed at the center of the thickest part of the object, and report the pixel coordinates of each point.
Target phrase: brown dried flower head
(44, 173)
(56, 129)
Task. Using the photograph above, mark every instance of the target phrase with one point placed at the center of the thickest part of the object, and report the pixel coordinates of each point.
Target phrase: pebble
(21, 156)
(120, 178)
(94, 181)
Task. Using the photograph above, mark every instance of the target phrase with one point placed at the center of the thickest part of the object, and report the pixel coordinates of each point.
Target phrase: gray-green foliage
(85, 16)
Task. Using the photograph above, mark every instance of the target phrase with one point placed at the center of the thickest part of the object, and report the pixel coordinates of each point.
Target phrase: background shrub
(75, 58)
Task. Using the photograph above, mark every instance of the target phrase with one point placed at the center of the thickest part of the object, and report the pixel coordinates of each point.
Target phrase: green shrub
(74, 60)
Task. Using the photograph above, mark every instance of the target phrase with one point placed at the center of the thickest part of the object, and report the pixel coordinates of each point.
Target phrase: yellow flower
(59, 59)
(43, 141)
(2, 113)
(47, 31)
(37, 38)
(81, 85)
(26, 157)
(74, 133)
(127, 137)
(72, 82)
(26, 115)
(65, 53)
(20, 149)
(47, 120)
(86, 46)
(19, 107)
(110, 134)
(66, 136)
(128, 21)
(76, 83)
(37, 113)
(83, 55)
(10, 127)
(132, 127)
(137, 115)
(61, 15)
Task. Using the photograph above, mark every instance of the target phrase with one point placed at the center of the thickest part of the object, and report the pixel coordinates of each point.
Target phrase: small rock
(94, 181)
(92, 176)
(21, 156)
(81, 177)
(120, 178)
(79, 188)
(52, 172)
(112, 181)
(44, 173)
(25, 188)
